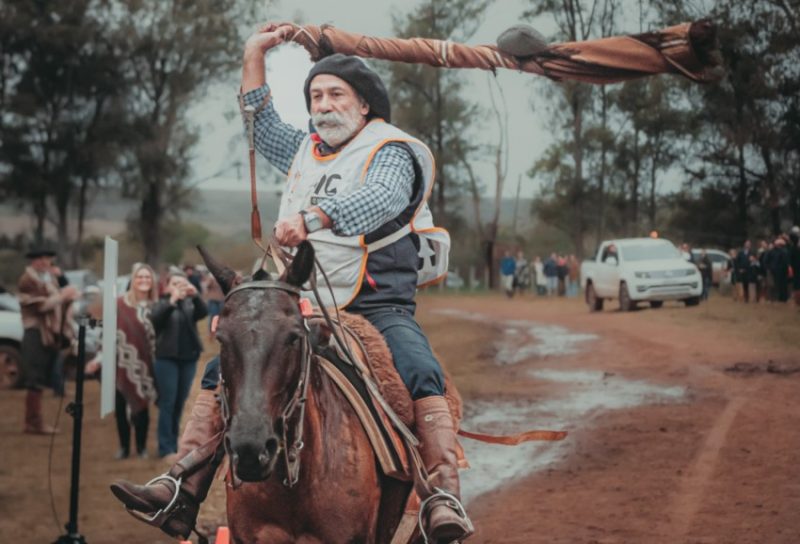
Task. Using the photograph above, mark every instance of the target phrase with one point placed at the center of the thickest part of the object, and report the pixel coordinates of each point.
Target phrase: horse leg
(394, 494)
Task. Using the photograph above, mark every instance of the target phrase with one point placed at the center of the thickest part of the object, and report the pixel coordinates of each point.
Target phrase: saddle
(374, 362)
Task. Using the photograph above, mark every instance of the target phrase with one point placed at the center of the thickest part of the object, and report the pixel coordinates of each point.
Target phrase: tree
(746, 124)
(59, 76)
(428, 102)
(576, 21)
(488, 233)
(176, 50)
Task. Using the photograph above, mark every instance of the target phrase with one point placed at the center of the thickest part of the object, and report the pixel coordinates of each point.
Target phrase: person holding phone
(178, 348)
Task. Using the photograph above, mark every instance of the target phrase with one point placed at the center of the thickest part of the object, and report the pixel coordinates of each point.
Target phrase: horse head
(262, 337)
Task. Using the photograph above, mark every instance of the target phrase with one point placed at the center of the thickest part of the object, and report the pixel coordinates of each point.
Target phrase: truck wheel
(693, 301)
(656, 303)
(10, 367)
(625, 302)
(595, 303)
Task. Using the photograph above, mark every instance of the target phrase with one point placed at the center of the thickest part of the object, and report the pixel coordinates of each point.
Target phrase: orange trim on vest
(322, 158)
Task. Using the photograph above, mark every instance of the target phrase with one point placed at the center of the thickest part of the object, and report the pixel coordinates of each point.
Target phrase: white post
(109, 360)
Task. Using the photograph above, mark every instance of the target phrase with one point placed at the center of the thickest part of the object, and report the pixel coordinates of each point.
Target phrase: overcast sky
(288, 65)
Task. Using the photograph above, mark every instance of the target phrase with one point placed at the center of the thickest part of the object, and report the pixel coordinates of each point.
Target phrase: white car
(640, 270)
(10, 342)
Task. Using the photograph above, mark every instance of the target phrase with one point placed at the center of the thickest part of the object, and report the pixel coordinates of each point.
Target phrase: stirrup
(159, 518)
(453, 503)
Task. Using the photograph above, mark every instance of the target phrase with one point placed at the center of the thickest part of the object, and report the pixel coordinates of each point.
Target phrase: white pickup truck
(637, 270)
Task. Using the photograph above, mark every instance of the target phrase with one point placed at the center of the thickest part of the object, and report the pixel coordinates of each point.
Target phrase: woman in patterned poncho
(136, 387)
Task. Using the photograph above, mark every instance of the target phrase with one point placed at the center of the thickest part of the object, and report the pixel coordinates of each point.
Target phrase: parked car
(640, 270)
(10, 342)
(719, 265)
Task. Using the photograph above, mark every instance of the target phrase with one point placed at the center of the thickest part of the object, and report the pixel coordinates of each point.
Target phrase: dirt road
(717, 464)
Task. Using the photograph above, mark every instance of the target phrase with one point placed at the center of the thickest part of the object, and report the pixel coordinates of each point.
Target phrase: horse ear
(303, 263)
(226, 277)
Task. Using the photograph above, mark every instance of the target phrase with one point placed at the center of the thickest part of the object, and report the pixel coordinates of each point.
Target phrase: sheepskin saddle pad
(377, 360)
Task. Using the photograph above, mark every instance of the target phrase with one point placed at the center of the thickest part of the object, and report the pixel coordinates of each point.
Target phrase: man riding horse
(357, 188)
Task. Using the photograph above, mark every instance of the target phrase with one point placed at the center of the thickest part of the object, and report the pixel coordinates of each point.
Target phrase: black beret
(366, 83)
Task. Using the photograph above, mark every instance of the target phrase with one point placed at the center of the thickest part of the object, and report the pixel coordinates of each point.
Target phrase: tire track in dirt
(695, 481)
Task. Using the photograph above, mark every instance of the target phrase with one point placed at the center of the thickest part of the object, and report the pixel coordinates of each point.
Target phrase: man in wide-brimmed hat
(45, 318)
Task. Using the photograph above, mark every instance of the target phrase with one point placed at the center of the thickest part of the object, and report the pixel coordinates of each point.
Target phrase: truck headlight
(690, 271)
(642, 275)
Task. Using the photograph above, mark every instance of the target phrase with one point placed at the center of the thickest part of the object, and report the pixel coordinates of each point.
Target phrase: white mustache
(328, 119)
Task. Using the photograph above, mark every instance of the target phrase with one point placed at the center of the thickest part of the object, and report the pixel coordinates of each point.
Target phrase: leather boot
(445, 519)
(34, 422)
(171, 501)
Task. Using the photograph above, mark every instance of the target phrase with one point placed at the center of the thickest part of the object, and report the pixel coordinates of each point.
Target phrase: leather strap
(514, 439)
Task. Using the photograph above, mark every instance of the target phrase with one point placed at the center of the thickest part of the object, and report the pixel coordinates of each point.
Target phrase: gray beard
(336, 128)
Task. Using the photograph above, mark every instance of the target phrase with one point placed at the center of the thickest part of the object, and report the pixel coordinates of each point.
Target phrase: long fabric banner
(688, 49)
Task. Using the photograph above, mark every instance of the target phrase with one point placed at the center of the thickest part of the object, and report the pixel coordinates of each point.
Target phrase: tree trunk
(635, 185)
(773, 198)
(651, 211)
(62, 224)
(601, 182)
(490, 271)
(151, 216)
(741, 194)
(76, 252)
(39, 212)
(578, 189)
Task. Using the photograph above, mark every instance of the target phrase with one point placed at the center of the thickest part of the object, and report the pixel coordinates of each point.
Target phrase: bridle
(294, 411)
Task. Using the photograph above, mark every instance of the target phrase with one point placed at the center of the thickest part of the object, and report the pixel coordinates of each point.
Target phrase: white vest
(313, 178)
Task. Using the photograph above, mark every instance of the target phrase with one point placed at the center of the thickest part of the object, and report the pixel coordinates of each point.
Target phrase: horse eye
(293, 338)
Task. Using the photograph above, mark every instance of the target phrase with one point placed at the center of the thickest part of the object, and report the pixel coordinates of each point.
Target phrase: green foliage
(429, 102)
(737, 142)
(690, 218)
(175, 50)
(96, 93)
(58, 90)
(744, 141)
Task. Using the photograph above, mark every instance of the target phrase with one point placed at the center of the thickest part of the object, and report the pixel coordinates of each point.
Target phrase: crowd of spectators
(556, 275)
(158, 345)
(769, 272)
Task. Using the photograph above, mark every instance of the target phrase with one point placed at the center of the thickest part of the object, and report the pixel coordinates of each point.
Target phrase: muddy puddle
(583, 395)
(588, 395)
(522, 339)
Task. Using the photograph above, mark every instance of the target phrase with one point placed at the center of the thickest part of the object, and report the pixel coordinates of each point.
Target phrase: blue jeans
(572, 288)
(415, 362)
(174, 380)
(211, 374)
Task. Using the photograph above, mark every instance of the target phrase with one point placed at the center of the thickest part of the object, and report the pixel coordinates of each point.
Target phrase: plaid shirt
(387, 187)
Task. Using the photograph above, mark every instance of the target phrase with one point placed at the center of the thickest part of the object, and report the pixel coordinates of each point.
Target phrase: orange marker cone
(223, 536)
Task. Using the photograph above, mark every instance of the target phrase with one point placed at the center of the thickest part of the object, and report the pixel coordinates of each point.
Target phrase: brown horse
(301, 466)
